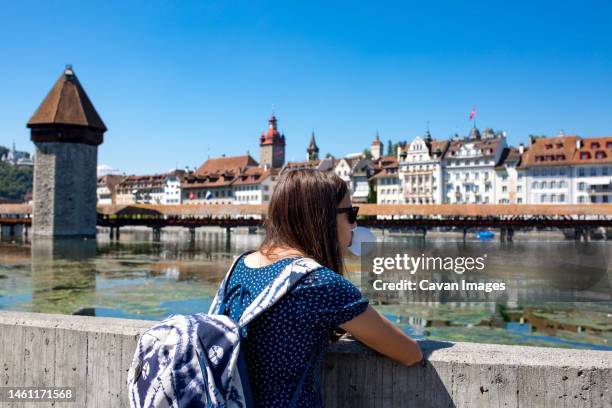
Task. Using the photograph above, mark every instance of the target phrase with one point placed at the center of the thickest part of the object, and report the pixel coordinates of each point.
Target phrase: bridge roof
(460, 210)
(485, 210)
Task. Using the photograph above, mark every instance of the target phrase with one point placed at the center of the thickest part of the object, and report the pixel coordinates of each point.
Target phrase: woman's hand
(378, 333)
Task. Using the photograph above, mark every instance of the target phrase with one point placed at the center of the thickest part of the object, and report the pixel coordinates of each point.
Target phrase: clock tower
(272, 146)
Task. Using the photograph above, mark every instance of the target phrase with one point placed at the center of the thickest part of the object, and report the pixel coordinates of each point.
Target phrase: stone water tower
(66, 131)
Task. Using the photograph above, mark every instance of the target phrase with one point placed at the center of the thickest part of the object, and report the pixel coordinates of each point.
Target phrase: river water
(141, 279)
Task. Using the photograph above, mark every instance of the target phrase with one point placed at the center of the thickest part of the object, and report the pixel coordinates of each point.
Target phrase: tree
(390, 148)
(367, 153)
(15, 181)
(328, 155)
(372, 195)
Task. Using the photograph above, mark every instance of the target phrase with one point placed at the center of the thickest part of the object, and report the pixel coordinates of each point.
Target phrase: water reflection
(139, 278)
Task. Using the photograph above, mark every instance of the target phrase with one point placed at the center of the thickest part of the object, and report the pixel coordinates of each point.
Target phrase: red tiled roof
(550, 151)
(110, 180)
(385, 161)
(488, 147)
(149, 181)
(233, 163)
(253, 175)
(593, 150)
(221, 179)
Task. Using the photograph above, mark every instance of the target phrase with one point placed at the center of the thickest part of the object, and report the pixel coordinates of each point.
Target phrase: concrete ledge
(94, 353)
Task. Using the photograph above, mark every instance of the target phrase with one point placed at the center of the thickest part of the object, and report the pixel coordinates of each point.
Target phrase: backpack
(196, 360)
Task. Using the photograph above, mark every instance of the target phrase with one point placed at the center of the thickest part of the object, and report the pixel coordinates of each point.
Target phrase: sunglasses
(352, 213)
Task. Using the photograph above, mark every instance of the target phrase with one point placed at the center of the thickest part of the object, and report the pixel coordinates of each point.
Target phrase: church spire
(313, 149)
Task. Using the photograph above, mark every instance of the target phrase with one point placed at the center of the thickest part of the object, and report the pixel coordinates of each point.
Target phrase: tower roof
(312, 146)
(376, 141)
(272, 136)
(474, 133)
(67, 104)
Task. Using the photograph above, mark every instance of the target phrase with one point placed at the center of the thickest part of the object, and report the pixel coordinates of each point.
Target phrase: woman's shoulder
(327, 279)
(330, 297)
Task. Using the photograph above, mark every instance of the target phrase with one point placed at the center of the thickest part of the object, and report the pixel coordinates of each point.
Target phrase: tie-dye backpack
(196, 360)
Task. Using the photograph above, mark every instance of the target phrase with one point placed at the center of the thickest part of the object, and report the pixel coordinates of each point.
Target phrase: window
(561, 198)
(593, 171)
(581, 172)
(504, 189)
(604, 171)
(519, 188)
(543, 198)
(581, 186)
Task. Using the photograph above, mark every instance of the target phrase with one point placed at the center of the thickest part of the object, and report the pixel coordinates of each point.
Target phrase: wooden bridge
(506, 217)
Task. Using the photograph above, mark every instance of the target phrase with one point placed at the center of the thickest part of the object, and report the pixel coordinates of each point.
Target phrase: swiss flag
(473, 113)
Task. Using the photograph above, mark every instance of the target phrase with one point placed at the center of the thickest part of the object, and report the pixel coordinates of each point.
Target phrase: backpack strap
(289, 276)
(216, 305)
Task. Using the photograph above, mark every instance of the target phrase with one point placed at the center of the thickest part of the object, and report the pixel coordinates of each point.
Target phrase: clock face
(278, 153)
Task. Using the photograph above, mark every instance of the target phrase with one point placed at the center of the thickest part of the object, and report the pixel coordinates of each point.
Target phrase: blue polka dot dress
(293, 333)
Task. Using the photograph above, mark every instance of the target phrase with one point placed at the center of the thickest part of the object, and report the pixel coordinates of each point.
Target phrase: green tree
(390, 148)
(367, 153)
(15, 181)
(372, 195)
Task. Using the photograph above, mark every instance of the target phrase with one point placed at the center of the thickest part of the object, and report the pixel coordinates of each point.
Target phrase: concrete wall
(65, 186)
(93, 354)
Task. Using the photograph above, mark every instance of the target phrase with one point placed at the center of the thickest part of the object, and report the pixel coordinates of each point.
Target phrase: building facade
(547, 163)
(106, 190)
(470, 168)
(592, 171)
(421, 170)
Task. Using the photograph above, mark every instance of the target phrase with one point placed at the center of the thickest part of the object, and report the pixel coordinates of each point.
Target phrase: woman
(309, 215)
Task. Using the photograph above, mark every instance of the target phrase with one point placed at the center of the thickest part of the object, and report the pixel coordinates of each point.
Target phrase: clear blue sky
(175, 81)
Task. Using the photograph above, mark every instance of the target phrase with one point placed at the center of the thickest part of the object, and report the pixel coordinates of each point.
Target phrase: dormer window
(585, 155)
(595, 145)
(600, 154)
(559, 145)
(548, 146)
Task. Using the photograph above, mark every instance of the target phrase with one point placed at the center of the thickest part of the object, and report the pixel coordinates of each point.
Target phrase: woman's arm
(378, 333)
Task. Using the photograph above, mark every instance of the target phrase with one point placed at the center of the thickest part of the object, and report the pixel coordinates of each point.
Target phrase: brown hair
(302, 216)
